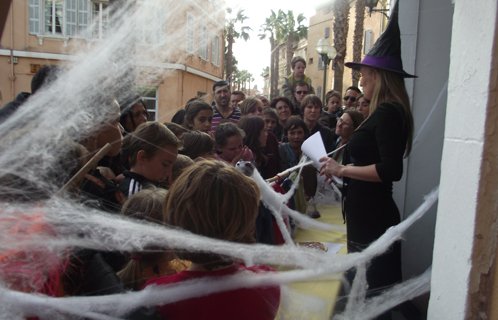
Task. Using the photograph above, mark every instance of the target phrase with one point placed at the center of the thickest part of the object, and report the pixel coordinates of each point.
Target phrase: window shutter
(319, 92)
(201, 41)
(206, 42)
(218, 51)
(213, 49)
(320, 63)
(71, 21)
(82, 17)
(190, 33)
(368, 41)
(327, 32)
(34, 16)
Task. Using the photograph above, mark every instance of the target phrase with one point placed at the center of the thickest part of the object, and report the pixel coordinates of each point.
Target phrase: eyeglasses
(302, 92)
(340, 122)
(346, 98)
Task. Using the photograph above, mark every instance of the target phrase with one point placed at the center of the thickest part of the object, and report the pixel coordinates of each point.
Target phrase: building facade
(178, 52)
(322, 26)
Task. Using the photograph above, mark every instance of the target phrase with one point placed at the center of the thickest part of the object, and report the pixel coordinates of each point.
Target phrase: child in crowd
(255, 139)
(153, 150)
(133, 113)
(251, 107)
(271, 119)
(210, 214)
(230, 144)
(177, 129)
(296, 132)
(148, 205)
(182, 162)
(199, 116)
(197, 144)
(298, 65)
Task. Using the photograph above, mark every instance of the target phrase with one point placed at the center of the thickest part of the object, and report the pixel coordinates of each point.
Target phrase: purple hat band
(387, 63)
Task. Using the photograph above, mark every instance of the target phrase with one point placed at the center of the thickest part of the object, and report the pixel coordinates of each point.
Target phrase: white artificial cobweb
(39, 229)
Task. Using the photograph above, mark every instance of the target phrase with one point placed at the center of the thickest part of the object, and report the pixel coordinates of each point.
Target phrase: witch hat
(386, 52)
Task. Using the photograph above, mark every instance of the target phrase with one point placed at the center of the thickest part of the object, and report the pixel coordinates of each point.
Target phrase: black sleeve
(391, 142)
(284, 164)
(104, 281)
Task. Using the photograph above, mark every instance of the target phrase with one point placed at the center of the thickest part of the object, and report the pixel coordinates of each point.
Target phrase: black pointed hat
(386, 52)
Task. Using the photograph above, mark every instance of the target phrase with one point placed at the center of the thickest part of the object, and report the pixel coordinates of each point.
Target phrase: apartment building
(179, 48)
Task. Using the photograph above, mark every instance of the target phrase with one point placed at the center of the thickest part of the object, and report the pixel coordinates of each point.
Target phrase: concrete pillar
(466, 230)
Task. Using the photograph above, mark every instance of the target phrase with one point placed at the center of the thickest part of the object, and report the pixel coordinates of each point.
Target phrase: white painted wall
(474, 27)
(430, 58)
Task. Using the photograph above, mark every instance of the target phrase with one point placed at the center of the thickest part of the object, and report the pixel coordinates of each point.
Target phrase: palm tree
(266, 70)
(272, 28)
(294, 34)
(251, 79)
(358, 37)
(231, 34)
(243, 80)
(235, 75)
(341, 25)
(233, 65)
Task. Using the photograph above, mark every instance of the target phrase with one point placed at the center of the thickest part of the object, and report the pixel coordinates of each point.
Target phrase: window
(203, 42)
(76, 18)
(34, 67)
(215, 50)
(66, 18)
(152, 29)
(319, 92)
(53, 17)
(368, 41)
(190, 33)
(34, 16)
(310, 61)
(149, 96)
(327, 32)
(320, 63)
(99, 20)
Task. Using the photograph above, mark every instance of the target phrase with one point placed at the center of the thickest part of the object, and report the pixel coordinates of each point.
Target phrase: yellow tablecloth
(327, 289)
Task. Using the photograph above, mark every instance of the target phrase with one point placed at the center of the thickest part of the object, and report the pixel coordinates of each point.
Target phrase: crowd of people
(182, 174)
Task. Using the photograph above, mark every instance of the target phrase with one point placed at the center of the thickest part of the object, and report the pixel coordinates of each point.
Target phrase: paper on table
(333, 247)
(313, 147)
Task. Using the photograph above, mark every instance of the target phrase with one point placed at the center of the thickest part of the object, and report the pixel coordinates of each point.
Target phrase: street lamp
(328, 54)
(371, 4)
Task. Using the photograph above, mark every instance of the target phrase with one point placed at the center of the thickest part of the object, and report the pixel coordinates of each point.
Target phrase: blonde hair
(249, 105)
(215, 200)
(390, 87)
(144, 205)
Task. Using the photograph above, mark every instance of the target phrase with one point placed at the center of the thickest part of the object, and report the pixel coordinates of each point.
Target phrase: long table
(328, 290)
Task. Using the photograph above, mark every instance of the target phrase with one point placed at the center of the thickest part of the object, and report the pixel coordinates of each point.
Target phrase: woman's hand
(330, 168)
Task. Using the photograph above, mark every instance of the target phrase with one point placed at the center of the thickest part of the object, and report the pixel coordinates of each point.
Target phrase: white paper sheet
(333, 247)
(313, 147)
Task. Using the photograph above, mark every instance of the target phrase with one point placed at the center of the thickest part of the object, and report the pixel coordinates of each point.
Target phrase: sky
(254, 55)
